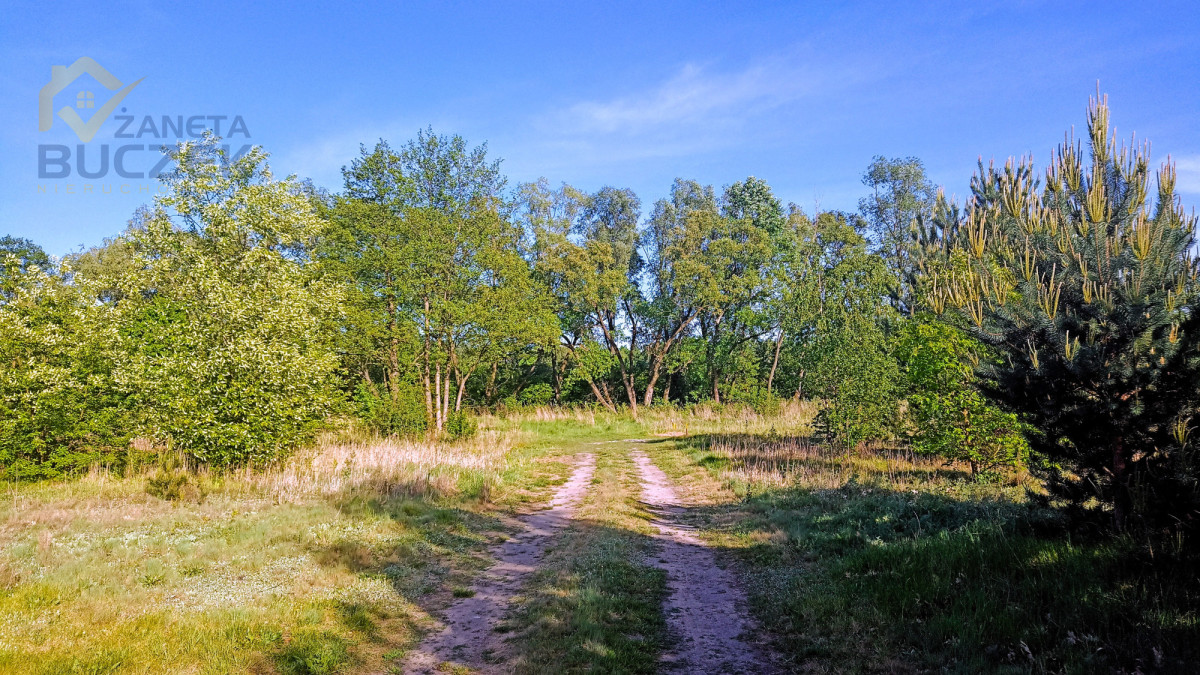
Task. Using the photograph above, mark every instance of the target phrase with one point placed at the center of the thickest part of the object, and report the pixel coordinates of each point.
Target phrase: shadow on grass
(865, 577)
(593, 606)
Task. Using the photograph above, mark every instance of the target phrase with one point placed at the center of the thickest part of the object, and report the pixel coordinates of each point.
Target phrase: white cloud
(693, 96)
(698, 109)
(1187, 171)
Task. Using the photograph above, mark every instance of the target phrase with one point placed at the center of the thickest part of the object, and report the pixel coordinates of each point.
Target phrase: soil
(468, 635)
(705, 609)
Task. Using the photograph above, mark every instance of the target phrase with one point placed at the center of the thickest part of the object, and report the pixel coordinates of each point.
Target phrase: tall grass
(390, 467)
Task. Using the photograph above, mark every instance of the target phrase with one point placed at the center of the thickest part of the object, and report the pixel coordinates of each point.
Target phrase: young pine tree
(1087, 287)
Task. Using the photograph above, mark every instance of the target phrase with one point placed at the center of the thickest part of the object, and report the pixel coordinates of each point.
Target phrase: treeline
(1048, 321)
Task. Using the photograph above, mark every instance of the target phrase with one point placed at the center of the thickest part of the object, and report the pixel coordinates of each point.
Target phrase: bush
(949, 416)
(461, 425)
(60, 409)
(538, 394)
(173, 482)
(400, 412)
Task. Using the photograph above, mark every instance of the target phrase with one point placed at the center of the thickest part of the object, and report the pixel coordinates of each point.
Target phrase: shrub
(399, 412)
(461, 425)
(949, 416)
(173, 482)
(537, 394)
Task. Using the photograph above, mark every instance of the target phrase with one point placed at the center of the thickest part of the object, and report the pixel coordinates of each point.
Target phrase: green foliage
(60, 407)
(174, 482)
(950, 417)
(835, 318)
(223, 348)
(860, 381)
(901, 198)
(538, 394)
(461, 424)
(18, 257)
(437, 287)
(1086, 287)
(400, 411)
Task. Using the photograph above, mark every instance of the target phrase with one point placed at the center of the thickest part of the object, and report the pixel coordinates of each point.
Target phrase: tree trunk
(602, 397)
(1122, 500)
(557, 378)
(437, 385)
(429, 411)
(774, 362)
(461, 383)
(649, 397)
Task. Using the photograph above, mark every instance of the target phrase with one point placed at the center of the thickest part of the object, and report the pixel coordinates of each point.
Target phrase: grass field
(870, 561)
(329, 562)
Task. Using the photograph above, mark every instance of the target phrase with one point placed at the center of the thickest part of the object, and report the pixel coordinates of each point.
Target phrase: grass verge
(883, 562)
(330, 563)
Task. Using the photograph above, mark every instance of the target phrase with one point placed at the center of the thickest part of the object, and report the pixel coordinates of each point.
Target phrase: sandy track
(705, 608)
(468, 634)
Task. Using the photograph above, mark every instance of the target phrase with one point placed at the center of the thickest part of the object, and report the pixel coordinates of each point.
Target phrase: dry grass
(333, 557)
(764, 462)
(391, 467)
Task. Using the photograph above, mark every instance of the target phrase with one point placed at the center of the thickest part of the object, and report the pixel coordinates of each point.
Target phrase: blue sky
(634, 94)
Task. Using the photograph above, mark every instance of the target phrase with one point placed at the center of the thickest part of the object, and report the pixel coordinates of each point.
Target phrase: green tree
(439, 289)
(17, 257)
(753, 199)
(843, 346)
(679, 272)
(1087, 288)
(901, 198)
(599, 276)
(223, 326)
(548, 217)
(61, 410)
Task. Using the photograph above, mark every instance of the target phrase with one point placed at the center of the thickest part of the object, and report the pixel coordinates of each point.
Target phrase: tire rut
(705, 607)
(468, 636)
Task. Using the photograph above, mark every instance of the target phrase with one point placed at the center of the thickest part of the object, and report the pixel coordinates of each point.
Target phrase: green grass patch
(879, 562)
(595, 606)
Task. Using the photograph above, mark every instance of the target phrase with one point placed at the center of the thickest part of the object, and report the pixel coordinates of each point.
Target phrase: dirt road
(706, 609)
(468, 636)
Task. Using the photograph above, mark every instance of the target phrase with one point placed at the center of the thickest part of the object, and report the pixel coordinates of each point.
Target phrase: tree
(439, 287)
(60, 409)
(548, 218)
(901, 197)
(1087, 288)
(753, 199)
(223, 325)
(19, 256)
(600, 276)
(842, 345)
(680, 273)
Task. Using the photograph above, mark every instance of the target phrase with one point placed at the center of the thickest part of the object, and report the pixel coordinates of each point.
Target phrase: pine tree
(1088, 288)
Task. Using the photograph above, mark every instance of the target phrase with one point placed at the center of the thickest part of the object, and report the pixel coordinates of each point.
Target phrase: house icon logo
(60, 78)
